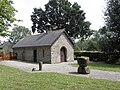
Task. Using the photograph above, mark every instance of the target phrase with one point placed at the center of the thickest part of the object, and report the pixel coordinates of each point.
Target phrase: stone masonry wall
(19, 53)
(44, 54)
(55, 49)
(26, 54)
(47, 54)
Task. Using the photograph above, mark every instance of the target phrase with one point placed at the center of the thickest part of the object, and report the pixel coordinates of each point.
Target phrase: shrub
(94, 56)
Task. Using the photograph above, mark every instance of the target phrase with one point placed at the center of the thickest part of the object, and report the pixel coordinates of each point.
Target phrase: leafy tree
(18, 33)
(111, 32)
(87, 45)
(7, 13)
(103, 39)
(61, 14)
(80, 45)
(112, 18)
(90, 44)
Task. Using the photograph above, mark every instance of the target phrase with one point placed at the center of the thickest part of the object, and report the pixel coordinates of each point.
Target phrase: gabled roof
(43, 39)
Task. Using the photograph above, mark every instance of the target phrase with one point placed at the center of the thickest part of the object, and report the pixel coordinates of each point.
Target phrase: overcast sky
(92, 8)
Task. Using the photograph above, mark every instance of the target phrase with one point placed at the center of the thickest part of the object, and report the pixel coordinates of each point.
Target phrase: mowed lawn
(14, 79)
(102, 66)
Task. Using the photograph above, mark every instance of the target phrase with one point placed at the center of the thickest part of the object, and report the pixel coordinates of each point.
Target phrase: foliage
(7, 47)
(110, 34)
(7, 13)
(61, 14)
(93, 55)
(107, 39)
(91, 44)
(103, 39)
(106, 46)
(18, 33)
(113, 25)
(14, 79)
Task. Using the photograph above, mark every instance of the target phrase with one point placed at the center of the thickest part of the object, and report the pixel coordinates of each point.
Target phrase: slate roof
(43, 39)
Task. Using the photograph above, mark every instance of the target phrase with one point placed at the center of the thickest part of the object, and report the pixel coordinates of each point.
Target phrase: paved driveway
(64, 68)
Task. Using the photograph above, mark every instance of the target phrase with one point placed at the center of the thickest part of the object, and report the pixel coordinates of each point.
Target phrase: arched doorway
(63, 54)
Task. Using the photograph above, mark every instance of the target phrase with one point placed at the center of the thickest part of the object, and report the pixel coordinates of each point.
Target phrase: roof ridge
(42, 39)
(59, 30)
(43, 34)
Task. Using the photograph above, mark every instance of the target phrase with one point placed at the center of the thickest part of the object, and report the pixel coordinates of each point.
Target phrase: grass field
(14, 79)
(102, 66)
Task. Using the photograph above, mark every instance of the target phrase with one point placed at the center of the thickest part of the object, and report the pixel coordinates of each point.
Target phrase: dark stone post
(40, 65)
(83, 62)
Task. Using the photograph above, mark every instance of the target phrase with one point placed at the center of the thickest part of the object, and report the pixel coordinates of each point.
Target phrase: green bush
(94, 56)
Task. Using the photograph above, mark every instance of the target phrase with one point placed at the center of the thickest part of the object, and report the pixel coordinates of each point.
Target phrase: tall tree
(7, 13)
(91, 44)
(103, 39)
(18, 33)
(113, 24)
(59, 14)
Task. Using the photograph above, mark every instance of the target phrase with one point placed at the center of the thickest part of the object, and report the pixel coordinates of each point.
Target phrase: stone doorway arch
(63, 54)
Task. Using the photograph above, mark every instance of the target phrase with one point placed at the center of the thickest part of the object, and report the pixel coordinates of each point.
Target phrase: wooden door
(63, 54)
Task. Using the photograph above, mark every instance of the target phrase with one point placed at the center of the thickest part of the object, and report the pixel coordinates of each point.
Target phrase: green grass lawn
(103, 66)
(14, 79)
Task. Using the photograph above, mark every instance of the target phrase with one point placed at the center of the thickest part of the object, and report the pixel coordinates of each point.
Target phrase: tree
(7, 13)
(92, 46)
(89, 45)
(112, 19)
(103, 39)
(18, 33)
(61, 14)
(110, 33)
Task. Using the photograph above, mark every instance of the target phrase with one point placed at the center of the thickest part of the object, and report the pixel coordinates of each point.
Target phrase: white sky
(92, 8)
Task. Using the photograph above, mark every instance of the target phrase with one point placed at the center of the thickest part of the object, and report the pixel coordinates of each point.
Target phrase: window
(43, 53)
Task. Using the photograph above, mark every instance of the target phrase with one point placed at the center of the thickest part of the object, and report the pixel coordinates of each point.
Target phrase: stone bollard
(40, 65)
(83, 62)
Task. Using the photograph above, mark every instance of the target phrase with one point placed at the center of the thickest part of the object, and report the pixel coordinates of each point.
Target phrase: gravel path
(63, 68)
